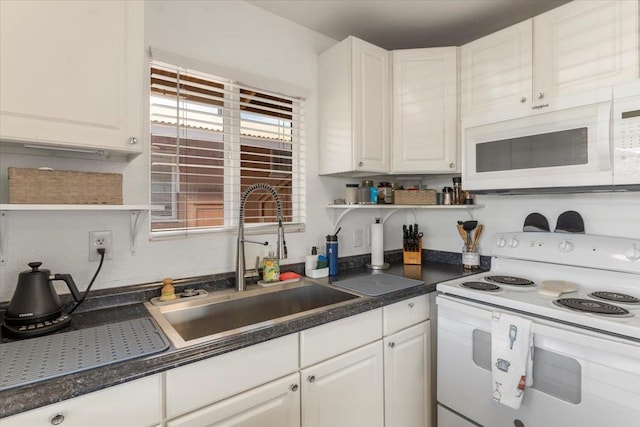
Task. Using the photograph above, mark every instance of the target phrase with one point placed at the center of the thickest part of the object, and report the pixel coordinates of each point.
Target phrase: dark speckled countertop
(46, 392)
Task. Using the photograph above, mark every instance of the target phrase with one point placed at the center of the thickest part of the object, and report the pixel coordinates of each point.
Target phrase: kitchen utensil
(570, 222)
(555, 288)
(535, 222)
(469, 226)
(35, 308)
(461, 232)
(476, 237)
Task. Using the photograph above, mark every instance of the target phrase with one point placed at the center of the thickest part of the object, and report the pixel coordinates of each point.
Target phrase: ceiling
(404, 24)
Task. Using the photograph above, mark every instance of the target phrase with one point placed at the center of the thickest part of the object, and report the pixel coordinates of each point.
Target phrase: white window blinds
(212, 138)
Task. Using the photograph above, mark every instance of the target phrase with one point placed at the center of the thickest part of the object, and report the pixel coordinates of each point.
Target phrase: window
(211, 138)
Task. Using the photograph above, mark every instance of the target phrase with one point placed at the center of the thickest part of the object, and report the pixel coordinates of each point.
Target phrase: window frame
(232, 176)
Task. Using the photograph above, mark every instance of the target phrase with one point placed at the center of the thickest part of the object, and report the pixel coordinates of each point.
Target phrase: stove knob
(514, 242)
(565, 246)
(501, 243)
(633, 254)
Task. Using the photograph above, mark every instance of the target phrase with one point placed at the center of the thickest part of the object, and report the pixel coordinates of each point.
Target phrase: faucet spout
(281, 250)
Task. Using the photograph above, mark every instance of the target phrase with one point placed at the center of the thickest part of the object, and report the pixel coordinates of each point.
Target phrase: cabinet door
(584, 45)
(71, 73)
(137, 403)
(425, 110)
(345, 391)
(496, 71)
(407, 377)
(370, 113)
(273, 404)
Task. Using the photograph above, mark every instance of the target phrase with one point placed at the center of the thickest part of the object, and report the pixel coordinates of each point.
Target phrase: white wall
(239, 36)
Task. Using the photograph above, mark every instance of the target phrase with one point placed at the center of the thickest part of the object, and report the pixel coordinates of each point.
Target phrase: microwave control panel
(626, 140)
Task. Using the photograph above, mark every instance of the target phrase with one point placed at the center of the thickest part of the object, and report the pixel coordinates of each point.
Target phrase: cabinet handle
(133, 140)
(311, 378)
(360, 163)
(57, 420)
(411, 305)
(523, 99)
(392, 344)
(452, 165)
(540, 95)
(294, 387)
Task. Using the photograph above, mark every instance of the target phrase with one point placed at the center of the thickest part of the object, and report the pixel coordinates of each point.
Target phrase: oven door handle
(552, 335)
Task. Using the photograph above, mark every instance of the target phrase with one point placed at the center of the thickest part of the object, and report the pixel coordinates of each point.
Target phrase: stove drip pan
(615, 297)
(510, 280)
(481, 286)
(593, 307)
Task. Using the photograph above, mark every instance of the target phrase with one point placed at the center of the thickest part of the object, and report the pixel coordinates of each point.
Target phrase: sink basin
(227, 313)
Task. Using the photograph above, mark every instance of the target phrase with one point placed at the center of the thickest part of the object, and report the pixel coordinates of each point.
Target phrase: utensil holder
(413, 257)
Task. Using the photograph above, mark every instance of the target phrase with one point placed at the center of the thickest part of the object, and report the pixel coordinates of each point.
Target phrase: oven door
(565, 148)
(580, 377)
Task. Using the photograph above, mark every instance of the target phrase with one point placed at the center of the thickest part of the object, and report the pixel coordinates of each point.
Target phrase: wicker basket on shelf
(47, 186)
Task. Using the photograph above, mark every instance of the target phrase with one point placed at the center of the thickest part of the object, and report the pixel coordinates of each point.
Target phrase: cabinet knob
(411, 305)
(57, 420)
(452, 165)
(360, 163)
(311, 378)
(540, 95)
(133, 140)
(392, 344)
(294, 387)
(523, 99)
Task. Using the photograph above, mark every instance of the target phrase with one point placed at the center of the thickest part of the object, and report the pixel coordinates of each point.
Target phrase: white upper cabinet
(354, 108)
(425, 111)
(495, 71)
(584, 45)
(580, 48)
(72, 74)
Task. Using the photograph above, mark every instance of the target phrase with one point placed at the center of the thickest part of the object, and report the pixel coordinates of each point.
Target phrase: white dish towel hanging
(511, 358)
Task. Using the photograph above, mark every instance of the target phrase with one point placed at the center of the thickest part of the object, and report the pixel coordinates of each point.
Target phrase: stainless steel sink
(227, 313)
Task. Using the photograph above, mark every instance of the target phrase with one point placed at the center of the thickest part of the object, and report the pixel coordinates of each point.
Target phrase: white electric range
(586, 363)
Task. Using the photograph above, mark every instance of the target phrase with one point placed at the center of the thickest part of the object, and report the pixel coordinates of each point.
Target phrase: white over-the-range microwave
(587, 146)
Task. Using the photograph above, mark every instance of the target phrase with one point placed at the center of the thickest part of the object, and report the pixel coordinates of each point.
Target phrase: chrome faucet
(281, 251)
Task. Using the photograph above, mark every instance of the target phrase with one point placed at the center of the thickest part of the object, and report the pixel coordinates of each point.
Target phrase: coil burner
(594, 307)
(510, 280)
(615, 297)
(481, 286)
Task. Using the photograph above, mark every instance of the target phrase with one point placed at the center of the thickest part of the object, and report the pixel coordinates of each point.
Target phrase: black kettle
(35, 308)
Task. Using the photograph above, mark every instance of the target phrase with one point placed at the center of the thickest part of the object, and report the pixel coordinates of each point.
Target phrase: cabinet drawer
(274, 404)
(199, 384)
(325, 341)
(136, 403)
(405, 313)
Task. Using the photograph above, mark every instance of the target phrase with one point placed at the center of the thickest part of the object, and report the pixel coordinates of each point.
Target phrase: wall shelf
(385, 211)
(133, 210)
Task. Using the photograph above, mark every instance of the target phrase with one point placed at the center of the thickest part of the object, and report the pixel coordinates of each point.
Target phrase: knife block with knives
(411, 245)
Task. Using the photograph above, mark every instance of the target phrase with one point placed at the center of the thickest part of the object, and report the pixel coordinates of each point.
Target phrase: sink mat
(42, 358)
(377, 284)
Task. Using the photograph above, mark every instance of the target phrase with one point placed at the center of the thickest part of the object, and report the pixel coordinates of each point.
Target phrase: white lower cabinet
(407, 373)
(133, 404)
(407, 363)
(345, 391)
(274, 404)
(197, 385)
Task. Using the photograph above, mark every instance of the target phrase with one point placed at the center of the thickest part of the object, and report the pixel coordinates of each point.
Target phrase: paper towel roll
(377, 244)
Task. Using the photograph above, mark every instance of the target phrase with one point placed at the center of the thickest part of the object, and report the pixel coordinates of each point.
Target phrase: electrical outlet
(357, 238)
(100, 239)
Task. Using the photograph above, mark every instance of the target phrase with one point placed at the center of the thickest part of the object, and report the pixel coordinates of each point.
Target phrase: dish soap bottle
(270, 268)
